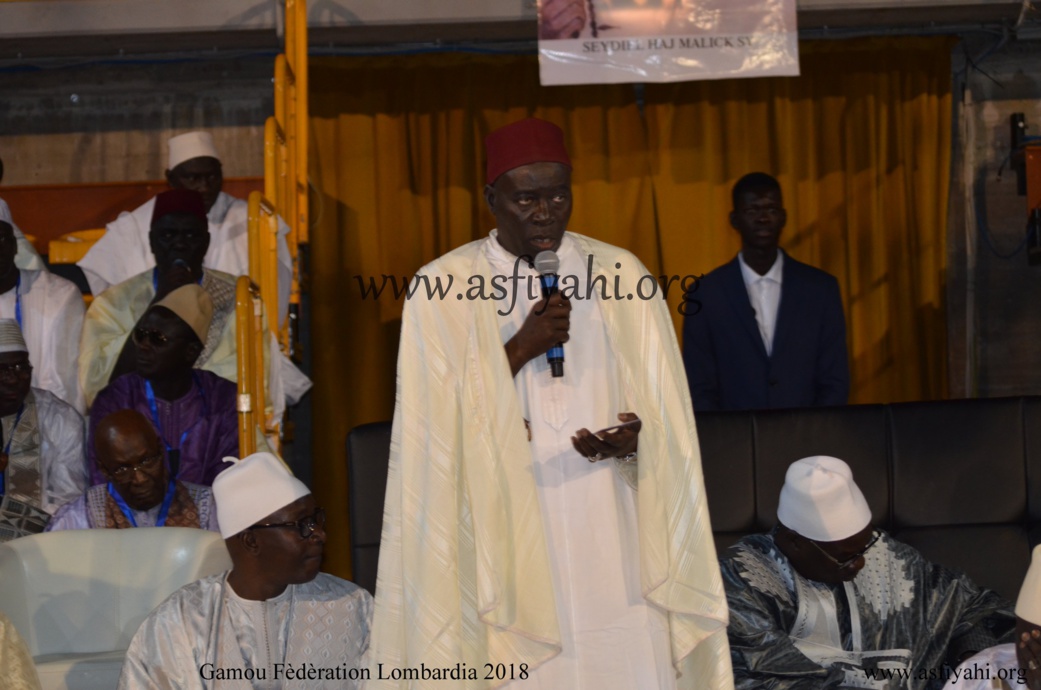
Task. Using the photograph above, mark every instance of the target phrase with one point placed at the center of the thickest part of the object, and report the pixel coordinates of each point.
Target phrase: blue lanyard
(18, 301)
(155, 284)
(7, 450)
(163, 511)
(154, 408)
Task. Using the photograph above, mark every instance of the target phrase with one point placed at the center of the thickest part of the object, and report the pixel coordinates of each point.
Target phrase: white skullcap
(252, 489)
(1028, 605)
(185, 147)
(11, 339)
(820, 500)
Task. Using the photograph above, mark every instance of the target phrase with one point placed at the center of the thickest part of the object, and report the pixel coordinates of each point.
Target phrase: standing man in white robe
(123, 252)
(49, 309)
(27, 256)
(517, 543)
(273, 615)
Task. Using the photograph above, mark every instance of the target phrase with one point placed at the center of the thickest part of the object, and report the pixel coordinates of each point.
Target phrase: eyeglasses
(842, 565)
(20, 370)
(155, 337)
(305, 525)
(126, 472)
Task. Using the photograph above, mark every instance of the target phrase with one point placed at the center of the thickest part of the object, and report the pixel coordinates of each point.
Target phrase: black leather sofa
(959, 480)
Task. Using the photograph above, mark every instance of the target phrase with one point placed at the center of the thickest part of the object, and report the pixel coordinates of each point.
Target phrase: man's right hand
(1028, 652)
(561, 18)
(546, 325)
(176, 276)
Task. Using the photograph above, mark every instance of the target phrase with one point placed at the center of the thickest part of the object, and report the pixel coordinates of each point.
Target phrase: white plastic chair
(78, 596)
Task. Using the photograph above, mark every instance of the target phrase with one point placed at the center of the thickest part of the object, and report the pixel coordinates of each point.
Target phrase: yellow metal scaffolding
(285, 196)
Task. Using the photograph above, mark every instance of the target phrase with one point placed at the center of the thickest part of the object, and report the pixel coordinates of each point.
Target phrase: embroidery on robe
(766, 573)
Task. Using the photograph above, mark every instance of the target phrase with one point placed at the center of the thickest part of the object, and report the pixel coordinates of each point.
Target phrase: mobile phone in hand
(634, 424)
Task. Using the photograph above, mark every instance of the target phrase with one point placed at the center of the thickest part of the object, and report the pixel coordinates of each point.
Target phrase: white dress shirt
(764, 294)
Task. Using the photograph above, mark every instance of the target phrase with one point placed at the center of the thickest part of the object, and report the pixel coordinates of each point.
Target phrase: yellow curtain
(860, 143)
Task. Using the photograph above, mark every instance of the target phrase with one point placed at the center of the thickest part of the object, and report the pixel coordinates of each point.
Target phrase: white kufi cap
(185, 147)
(11, 339)
(820, 500)
(1028, 605)
(252, 489)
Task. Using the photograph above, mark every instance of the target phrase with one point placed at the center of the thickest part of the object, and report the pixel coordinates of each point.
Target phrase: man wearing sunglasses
(139, 491)
(828, 601)
(193, 410)
(273, 620)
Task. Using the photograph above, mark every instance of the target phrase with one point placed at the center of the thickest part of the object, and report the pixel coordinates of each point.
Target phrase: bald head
(131, 457)
(123, 423)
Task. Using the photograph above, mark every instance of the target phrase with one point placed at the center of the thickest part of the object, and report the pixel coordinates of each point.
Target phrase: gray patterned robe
(894, 626)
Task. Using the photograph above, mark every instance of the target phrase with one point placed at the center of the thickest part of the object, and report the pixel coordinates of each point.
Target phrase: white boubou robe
(499, 552)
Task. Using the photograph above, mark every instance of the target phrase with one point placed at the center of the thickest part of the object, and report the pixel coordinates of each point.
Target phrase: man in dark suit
(770, 332)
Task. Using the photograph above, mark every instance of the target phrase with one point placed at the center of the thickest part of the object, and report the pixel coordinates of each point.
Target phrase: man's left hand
(608, 444)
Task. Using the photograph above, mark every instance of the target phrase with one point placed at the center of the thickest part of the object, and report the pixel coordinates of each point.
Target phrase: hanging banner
(614, 41)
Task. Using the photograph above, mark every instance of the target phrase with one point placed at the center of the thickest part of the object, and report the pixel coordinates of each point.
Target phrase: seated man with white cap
(273, 620)
(194, 163)
(193, 410)
(1016, 663)
(827, 601)
(41, 437)
(49, 310)
(139, 491)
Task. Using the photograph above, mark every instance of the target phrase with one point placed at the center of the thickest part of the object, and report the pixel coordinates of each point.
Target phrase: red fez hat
(179, 201)
(523, 142)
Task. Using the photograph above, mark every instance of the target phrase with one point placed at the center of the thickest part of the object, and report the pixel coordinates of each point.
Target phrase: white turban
(252, 489)
(820, 500)
(11, 339)
(185, 147)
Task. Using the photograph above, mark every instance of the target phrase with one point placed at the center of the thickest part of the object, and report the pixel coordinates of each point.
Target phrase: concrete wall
(994, 313)
(92, 27)
(110, 122)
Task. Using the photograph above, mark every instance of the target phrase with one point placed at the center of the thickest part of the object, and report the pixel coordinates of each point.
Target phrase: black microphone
(547, 264)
